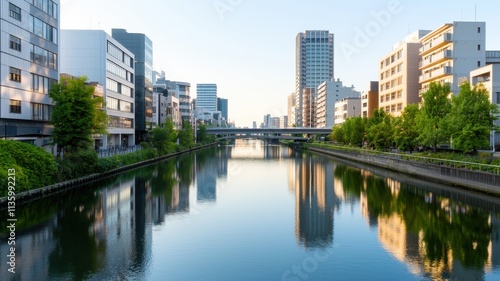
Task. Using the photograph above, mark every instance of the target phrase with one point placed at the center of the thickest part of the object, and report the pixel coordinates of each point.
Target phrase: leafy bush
(34, 166)
(78, 164)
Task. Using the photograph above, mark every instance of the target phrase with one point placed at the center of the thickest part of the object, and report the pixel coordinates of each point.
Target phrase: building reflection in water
(435, 236)
(312, 181)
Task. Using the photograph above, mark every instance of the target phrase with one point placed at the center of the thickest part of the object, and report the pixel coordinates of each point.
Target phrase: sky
(247, 47)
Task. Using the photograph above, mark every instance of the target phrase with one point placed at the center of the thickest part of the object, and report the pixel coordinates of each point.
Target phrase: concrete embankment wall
(29, 195)
(468, 179)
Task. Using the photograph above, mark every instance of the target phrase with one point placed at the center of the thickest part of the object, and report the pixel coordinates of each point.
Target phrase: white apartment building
(329, 93)
(346, 108)
(165, 106)
(489, 76)
(451, 52)
(99, 57)
(29, 66)
(399, 75)
(284, 121)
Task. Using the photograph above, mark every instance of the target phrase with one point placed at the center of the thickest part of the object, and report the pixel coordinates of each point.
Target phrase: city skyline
(253, 61)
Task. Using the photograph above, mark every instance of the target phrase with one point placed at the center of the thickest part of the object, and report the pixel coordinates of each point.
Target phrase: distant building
(206, 96)
(329, 93)
(181, 91)
(451, 52)
(113, 68)
(142, 48)
(399, 73)
(29, 66)
(314, 65)
(275, 122)
(309, 108)
(347, 108)
(291, 109)
(222, 106)
(254, 125)
(267, 121)
(369, 100)
(284, 122)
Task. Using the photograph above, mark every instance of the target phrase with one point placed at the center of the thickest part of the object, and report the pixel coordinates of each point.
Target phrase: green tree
(164, 138)
(431, 121)
(201, 134)
(186, 136)
(405, 128)
(77, 114)
(338, 134)
(355, 130)
(471, 118)
(379, 132)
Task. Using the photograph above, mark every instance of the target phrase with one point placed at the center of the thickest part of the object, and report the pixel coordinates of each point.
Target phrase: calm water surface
(254, 211)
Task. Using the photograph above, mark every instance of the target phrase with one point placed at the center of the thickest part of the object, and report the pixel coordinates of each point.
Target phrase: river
(256, 211)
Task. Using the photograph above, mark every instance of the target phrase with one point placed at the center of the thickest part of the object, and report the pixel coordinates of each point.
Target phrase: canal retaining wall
(30, 195)
(463, 178)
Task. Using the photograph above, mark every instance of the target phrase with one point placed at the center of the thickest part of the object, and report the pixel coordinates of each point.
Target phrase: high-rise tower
(314, 65)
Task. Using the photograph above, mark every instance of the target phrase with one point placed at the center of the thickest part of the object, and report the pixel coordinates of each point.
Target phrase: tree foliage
(431, 119)
(471, 118)
(77, 114)
(405, 128)
(379, 132)
(186, 136)
(164, 138)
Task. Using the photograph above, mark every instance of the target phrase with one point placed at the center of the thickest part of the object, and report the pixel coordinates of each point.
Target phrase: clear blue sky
(247, 47)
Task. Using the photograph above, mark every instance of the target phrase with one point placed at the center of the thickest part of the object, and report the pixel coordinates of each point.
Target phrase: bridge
(268, 133)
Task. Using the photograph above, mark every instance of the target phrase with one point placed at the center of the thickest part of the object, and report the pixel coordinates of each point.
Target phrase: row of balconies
(436, 42)
(435, 73)
(436, 58)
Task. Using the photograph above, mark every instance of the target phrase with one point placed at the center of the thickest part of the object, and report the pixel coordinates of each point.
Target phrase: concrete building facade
(347, 108)
(399, 75)
(369, 100)
(95, 54)
(330, 92)
(29, 66)
(451, 52)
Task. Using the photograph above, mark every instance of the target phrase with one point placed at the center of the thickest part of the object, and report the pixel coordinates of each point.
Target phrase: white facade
(206, 96)
(451, 52)
(489, 77)
(95, 54)
(314, 65)
(165, 106)
(347, 108)
(29, 66)
(284, 121)
(329, 93)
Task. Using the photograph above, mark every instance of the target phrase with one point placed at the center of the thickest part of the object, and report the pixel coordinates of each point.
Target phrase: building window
(478, 63)
(15, 74)
(15, 43)
(112, 103)
(41, 84)
(41, 111)
(498, 97)
(14, 12)
(478, 29)
(15, 106)
(479, 47)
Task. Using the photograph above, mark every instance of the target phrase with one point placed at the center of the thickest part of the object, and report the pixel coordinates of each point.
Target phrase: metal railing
(117, 150)
(495, 169)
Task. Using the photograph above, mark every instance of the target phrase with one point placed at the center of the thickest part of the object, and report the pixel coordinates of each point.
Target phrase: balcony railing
(436, 58)
(436, 73)
(437, 42)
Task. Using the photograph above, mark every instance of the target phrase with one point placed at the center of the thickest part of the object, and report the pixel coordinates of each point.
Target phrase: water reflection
(98, 233)
(435, 236)
(315, 201)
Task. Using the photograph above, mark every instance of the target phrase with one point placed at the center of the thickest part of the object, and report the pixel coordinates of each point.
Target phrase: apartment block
(29, 66)
(347, 108)
(369, 100)
(399, 75)
(489, 77)
(102, 59)
(206, 96)
(451, 52)
(328, 93)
